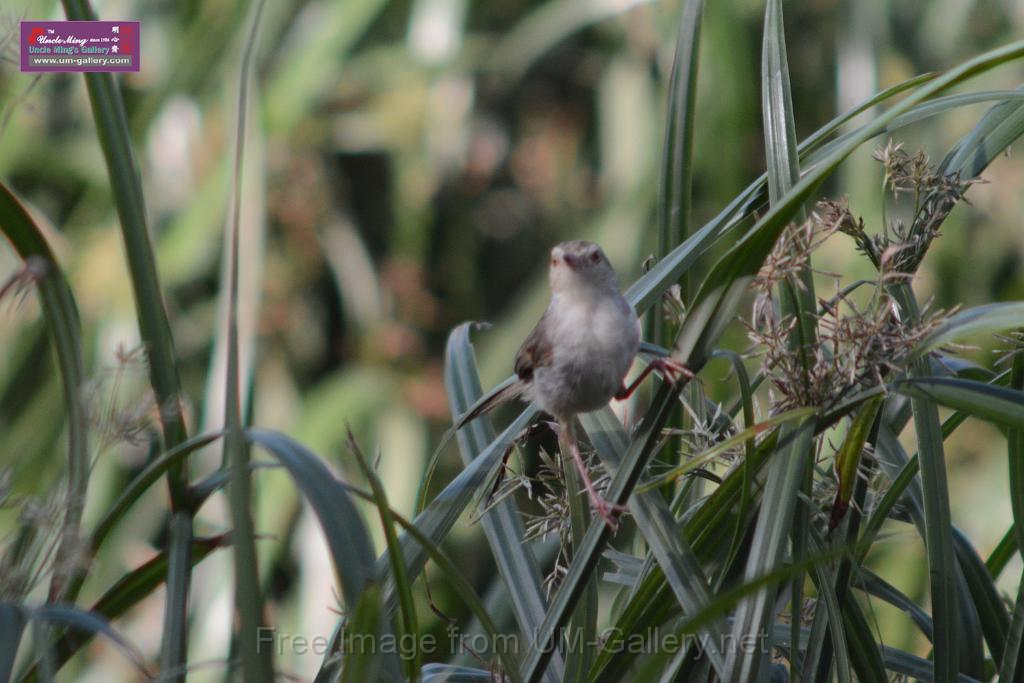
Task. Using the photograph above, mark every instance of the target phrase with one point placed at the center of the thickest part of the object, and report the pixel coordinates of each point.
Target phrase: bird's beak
(571, 260)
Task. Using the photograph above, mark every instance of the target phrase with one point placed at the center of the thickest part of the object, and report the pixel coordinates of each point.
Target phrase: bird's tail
(489, 401)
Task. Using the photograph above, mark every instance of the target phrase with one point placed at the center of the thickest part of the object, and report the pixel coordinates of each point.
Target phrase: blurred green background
(408, 168)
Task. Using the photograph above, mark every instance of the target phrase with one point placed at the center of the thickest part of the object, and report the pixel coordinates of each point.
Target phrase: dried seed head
(902, 247)
(854, 348)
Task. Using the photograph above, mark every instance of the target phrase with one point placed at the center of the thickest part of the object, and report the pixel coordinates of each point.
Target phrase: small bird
(576, 358)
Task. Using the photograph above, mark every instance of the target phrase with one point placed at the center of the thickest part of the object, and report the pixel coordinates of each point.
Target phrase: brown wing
(535, 352)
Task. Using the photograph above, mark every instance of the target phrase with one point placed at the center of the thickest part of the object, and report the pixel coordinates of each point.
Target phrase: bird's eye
(554, 262)
(595, 257)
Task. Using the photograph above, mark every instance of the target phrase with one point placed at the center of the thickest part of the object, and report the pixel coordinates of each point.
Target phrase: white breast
(595, 341)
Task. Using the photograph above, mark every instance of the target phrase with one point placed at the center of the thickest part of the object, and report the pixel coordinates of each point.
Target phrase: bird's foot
(672, 370)
(607, 511)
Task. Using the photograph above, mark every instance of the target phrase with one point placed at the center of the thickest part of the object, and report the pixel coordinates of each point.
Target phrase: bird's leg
(669, 368)
(609, 512)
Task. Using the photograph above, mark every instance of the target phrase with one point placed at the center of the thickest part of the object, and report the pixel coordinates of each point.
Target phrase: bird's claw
(672, 370)
(609, 512)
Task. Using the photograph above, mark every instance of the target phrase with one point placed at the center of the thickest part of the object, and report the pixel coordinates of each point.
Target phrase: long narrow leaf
(257, 662)
(585, 561)
(659, 528)
(501, 523)
(154, 328)
(61, 314)
(768, 544)
(998, 404)
(343, 527)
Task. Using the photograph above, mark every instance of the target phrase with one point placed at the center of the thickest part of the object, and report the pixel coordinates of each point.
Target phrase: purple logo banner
(80, 46)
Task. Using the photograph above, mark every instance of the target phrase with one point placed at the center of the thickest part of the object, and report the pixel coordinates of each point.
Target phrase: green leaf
(343, 527)
(154, 328)
(936, 522)
(130, 590)
(997, 404)
(583, 623)
(1012, 662)
(864, 652)
(1015, 451)
(746, 400)
(719, 296)
(769, 542)
(707, 530)
(61, 315)
(360, 662)
(997, 130)
(440, 515)
(133, 492)
(1013, 658)
(347, 539)
(408, 631)
(847, 461)
(501, 523)
(450, 571)
(585, 561)
(875, 585)
(984, 596)
(12, 626)
(126, 185)
(777, 107)
(674, 204)
(92, 624)
(972, 322)
(659, 528)
(257, 662)
(826, 583)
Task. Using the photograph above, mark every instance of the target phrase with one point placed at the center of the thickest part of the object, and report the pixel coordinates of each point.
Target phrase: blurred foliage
(414, 162)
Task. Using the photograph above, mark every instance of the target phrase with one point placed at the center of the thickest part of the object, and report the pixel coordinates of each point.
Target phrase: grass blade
(583, 623)
(933, 504)
(864, 653)
(61, 314)
(725, 286)
(768, 543)
(847, 463)
(343, 527)
(12, 626)
(92, 624)
(501, 523)
(659, 528)
(408, 632)
(997, 130)
(130, 590)
(777, 107)
(440, 515)
(1001, 405)
(154, 328)
(597, 536)
(992, 614)
(112, 130)
(344, 530)
(674, 205)
(1012, 662)
(972, 321)
(257, 662)
(1015, 451)
(464, 589)
(1013, 657)
(362, 663)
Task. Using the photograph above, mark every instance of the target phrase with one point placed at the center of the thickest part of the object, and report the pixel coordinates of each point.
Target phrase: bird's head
(581, 267)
